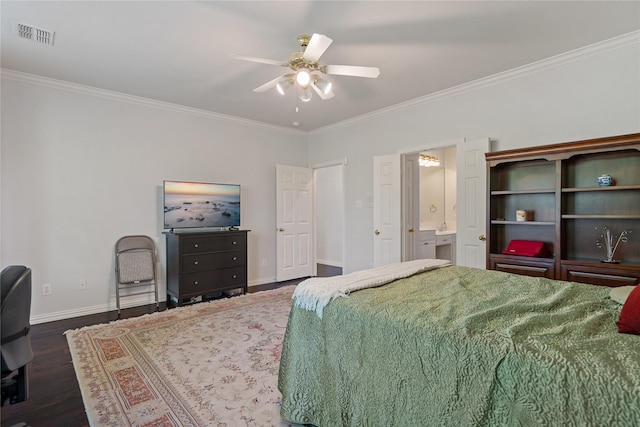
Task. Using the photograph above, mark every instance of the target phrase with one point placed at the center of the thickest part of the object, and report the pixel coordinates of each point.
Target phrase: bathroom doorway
(429, 204)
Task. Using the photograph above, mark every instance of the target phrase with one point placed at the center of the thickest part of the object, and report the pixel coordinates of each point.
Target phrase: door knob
(411, 230)
(377, 232)
(482, 237)
(280, 229)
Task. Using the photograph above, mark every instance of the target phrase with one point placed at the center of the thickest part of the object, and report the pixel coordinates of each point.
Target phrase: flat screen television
(200, 205)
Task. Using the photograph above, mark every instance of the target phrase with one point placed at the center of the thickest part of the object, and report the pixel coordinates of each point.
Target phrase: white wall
(432, 193)
(80, 168)
(450, 187)
(590, 93)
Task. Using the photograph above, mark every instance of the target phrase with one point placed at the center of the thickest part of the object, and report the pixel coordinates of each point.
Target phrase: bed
(457, 346)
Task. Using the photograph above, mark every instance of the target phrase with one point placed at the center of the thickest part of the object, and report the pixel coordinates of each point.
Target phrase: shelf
(600, 216)
(511, 192)
(612, 188)
(496, 221)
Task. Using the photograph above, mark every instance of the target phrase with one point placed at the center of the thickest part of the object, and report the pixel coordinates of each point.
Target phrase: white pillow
(620, 293)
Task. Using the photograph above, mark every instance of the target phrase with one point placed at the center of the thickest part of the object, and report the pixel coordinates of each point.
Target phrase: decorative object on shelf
(521, 215)
(605, 180)
(609, 242)
(428, 161)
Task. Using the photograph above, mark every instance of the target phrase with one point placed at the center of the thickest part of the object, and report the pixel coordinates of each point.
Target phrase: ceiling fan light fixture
(283, 85)
(305, 94)
(305, 69)
(323, 85)
(303, 77)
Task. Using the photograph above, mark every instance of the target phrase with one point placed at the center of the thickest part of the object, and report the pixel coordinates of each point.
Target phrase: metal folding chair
(136, 267)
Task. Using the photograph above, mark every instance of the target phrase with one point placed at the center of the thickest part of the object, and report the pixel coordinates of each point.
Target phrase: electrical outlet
(82, 285)
(46, 289)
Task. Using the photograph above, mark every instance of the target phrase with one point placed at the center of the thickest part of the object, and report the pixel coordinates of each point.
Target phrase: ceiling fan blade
(259, 60)
(322, 95)
(353, 70)
(316, 47)
(268, 85)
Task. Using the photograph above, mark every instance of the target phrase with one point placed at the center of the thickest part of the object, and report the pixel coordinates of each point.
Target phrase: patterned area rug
(210, 364)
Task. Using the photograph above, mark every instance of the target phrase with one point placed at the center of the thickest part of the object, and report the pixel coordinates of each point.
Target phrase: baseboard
(93, 309)
(124, 303)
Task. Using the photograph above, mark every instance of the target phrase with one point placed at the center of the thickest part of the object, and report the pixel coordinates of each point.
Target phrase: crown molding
(137, 100)
(554, 61)
(515, 73)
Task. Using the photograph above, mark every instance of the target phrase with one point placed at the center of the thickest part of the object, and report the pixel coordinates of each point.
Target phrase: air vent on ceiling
(32, 33)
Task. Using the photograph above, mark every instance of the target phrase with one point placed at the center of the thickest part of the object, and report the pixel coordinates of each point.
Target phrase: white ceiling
(178, 51)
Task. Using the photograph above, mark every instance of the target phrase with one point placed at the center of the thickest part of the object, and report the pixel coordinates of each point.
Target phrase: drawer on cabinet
(525, 270)
(206, 281)
(600, 278)
(526, 266)
(213, 261)
(444, 240)
(199, 244)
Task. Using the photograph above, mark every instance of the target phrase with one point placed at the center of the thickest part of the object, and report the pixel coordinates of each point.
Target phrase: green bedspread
(462, 347)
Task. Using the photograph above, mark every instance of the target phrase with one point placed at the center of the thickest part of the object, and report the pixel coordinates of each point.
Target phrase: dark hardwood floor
(328, 270)
(54, 394)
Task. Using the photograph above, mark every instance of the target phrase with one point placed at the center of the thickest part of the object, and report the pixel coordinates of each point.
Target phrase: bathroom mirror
(438, 189)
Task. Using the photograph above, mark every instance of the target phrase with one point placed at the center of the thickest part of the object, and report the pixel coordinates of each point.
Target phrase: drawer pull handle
(195, 246)
(195, 262)
(235, 275)
(234, 242)
(235, 258)
(195, 283)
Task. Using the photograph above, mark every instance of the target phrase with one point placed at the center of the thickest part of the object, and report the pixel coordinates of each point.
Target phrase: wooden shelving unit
(557, 184)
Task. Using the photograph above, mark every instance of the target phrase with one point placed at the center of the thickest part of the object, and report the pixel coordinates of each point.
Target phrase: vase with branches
(609, 242)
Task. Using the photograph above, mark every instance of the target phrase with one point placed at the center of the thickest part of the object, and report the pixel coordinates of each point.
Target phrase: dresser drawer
(207, 281)
(213, 261)
(226, 242)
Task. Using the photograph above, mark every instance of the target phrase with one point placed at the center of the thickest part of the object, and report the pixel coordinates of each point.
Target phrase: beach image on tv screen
(191, 204)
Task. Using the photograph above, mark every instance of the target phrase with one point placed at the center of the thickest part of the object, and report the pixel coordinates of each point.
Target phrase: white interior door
(386, 210)
(294, 235)
(471, 200)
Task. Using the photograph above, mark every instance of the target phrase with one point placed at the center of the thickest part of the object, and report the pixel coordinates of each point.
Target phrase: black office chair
(16, 342)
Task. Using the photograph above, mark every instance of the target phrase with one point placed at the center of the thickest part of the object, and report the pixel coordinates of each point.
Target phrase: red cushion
(530, 248)
(629, 321)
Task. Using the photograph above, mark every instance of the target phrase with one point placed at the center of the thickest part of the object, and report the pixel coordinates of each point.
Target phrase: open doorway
(429, 204)
(329, 210)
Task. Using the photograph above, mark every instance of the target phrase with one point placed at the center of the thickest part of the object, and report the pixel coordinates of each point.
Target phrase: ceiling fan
(307, 72)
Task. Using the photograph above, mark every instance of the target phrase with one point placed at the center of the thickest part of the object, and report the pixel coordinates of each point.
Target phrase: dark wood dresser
(201, 264)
